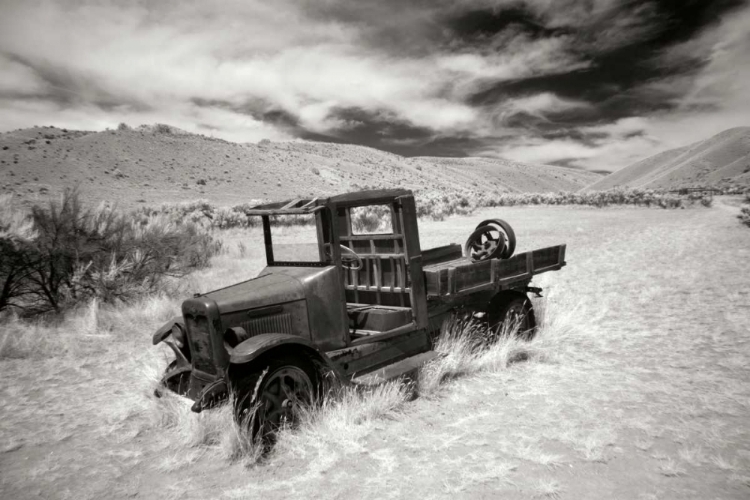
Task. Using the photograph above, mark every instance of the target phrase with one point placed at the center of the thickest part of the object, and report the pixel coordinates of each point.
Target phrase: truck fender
(166, 329)
(255, 347)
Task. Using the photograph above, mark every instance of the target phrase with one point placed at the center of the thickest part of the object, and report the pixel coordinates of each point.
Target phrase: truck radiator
(273, 323)
(200, 342)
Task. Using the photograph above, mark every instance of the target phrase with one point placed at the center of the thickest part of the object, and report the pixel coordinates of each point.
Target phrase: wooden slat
(355, 284)
(376, 271)
(348, 224)
(367, 273)
(377, 254)
(393, 272)
(365, 288)
(309, 203)
(361, 237)
(292, 203)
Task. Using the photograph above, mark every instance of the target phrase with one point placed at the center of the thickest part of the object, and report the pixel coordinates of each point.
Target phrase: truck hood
(265, 290)
(274, 285)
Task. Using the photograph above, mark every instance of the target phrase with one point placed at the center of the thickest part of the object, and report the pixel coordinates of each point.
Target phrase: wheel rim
(283, 393)
(507, 233)
(485, 242)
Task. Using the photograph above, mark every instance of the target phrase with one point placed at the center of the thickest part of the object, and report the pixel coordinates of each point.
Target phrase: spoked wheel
(507, 234)
(486, 242)
(268, 400)
(516, 312)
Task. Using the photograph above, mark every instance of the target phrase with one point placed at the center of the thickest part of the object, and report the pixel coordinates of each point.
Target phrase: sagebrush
(62, 254)
(430, 205)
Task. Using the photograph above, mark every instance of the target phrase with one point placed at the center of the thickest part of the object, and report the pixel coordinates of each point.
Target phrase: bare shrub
(63, 254)
(744, 215)
(371, 219)
(16, 236)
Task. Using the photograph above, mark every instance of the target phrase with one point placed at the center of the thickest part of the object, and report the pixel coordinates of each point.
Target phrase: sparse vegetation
(430, 205)
(63, 254)
(744, 215)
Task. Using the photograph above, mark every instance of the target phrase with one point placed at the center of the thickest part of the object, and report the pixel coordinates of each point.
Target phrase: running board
(399, 369)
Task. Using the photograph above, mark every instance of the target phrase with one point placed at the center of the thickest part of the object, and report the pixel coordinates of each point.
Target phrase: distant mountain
(153, 164)
(724, 159)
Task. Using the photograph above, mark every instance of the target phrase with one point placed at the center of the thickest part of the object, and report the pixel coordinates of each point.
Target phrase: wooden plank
(365, 288)
(291, 203)
(393, 273)
(355, 284)
(377, 265)
(361, 237)
(348, 223)
(460, 278)
(375, 255)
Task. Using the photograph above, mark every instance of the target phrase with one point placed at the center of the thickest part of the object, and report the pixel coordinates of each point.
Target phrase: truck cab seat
(377, 318)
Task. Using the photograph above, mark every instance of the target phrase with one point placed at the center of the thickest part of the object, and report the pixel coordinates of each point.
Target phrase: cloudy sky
(594, 84)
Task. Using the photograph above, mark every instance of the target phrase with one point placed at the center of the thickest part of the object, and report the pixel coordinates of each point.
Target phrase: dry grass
(641, 362)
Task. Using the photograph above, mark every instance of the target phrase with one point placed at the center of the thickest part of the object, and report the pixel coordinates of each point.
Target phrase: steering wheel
(350, 259)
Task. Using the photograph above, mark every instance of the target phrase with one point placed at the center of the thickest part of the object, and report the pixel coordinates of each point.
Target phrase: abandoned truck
(359, 304)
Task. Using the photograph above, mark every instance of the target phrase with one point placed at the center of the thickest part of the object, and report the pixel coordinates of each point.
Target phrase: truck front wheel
(511, 311)
(269, 395)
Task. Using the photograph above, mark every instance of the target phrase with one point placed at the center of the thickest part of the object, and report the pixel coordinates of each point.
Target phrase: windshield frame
(325, 256)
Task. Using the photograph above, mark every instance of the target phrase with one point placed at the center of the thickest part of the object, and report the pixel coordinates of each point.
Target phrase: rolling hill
(153, 164)
(724, 159)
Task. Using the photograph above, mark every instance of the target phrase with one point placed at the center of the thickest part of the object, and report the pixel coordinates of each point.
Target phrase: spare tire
(510, 236)
(485, 243)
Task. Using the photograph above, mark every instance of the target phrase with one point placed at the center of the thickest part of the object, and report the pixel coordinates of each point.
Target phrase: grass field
(637, 387)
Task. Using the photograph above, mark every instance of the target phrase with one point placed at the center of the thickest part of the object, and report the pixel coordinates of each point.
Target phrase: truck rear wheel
(513, 310)
(270, 395)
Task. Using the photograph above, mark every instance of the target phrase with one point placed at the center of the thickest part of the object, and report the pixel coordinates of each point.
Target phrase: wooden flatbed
(459, 276)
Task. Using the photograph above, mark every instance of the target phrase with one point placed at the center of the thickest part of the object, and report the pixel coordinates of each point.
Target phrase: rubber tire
(503, 304)
(244, 386)
(511, 246)
(497, 253)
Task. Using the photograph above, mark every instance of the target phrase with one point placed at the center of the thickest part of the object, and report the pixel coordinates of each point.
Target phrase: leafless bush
(744, 216)
(62, 254)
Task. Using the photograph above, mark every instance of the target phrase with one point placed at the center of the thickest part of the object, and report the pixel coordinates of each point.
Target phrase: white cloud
(269, 56)
(18, 79)
(95, 64)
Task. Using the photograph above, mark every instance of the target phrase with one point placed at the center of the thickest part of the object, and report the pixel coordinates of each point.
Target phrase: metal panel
(199, 334)
(274, 323)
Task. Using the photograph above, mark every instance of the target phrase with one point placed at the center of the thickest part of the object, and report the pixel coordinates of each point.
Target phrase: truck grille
(200, 343)
(273, 323)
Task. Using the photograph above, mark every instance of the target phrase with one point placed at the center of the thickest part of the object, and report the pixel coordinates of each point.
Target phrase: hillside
(724, 159)
(156, 164)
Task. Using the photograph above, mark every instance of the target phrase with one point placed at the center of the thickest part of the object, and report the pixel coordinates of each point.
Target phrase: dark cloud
(589, 83)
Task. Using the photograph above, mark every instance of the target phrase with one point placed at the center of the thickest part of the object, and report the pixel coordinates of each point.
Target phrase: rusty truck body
(362, 306)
